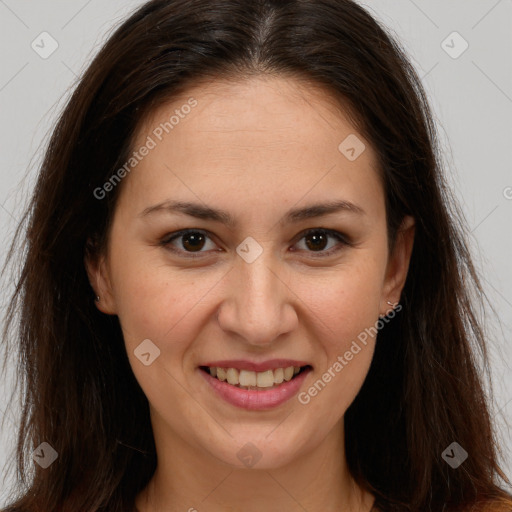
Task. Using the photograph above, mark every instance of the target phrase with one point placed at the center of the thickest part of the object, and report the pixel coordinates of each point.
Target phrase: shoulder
(499, 505)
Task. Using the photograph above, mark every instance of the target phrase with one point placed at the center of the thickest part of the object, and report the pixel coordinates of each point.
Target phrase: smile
(251, 380)
(257, 386)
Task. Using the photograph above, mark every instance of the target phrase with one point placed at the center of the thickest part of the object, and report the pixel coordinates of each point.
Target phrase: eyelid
(166, 241)
(343, 240)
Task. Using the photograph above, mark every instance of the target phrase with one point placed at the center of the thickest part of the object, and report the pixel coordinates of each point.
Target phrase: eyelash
(166, 241)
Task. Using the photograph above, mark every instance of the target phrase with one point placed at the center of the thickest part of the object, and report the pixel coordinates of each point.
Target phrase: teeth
(248, 379)
(232, 375)
(265, 379)
(288, 373)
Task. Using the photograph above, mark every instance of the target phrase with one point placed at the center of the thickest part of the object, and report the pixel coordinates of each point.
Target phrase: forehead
(274, 132)
(269, 104)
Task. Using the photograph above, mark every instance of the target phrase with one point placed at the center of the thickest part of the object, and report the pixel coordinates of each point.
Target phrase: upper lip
(244, 364)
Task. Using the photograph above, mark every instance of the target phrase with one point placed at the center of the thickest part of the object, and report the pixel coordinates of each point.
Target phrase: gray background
(471, 96)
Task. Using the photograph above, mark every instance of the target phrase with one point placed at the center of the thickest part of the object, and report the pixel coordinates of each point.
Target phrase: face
(251, 235)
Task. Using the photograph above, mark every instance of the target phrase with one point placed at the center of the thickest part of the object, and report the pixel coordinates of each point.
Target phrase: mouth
(255, 380)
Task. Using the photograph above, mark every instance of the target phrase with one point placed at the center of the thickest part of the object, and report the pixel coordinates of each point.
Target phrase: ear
(99, 278)
(398, 264)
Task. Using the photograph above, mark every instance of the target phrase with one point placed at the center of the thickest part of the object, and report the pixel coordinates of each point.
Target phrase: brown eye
(317, 240)
(192, 241)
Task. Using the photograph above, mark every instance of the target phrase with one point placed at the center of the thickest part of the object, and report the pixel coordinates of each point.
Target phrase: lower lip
(255, 399)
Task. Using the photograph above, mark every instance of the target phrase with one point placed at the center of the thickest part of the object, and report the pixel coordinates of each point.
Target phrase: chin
(255, 452)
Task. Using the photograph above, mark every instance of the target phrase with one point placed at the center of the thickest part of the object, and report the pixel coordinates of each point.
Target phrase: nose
(258, 305)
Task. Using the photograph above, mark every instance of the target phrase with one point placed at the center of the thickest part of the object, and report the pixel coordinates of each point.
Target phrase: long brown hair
(424, 390)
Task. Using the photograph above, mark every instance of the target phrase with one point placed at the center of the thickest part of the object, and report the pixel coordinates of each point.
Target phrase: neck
(188, 479)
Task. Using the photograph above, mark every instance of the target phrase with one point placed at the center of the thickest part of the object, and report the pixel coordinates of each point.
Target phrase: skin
(255, 148)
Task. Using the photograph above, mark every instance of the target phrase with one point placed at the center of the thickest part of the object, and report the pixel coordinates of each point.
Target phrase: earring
(97, 298)
(385, 314)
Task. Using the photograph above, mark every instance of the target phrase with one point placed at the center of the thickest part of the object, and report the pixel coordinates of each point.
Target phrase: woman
(246, 285)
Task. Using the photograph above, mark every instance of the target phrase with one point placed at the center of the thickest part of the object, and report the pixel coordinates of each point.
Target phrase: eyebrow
(294, 215)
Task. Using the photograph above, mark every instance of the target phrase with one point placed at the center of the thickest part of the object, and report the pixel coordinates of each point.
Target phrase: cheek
(344, 302)
(165, 309)
(345, 307)
(156, 303)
